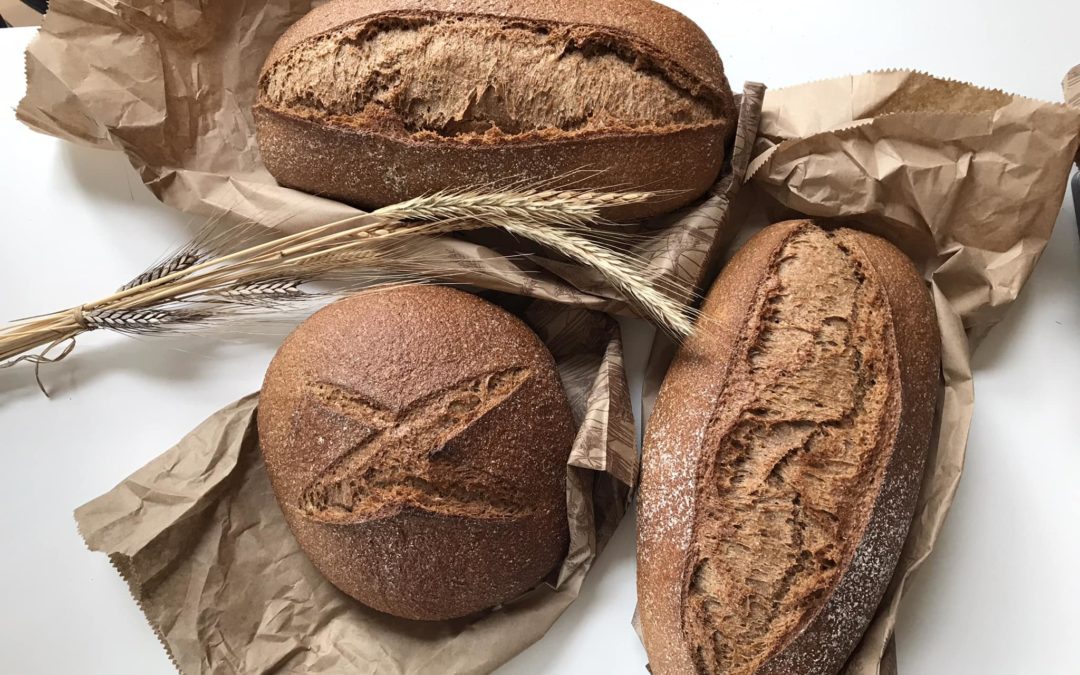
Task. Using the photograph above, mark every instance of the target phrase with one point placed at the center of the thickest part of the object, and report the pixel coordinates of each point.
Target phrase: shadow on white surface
(96, 172)
(996, 532)
(602, 604)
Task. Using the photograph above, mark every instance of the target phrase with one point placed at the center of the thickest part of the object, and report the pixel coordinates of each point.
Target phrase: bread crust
(373, 165)
(677, 444)
(669, 34)
(310, 157)
(414, 478)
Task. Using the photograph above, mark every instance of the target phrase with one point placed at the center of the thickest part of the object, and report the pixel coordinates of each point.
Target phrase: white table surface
(999, 597)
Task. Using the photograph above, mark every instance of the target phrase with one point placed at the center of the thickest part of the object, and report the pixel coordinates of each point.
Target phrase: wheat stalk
(269, 289)
(194, 287)
(620, 271)
(538, 207)
(516, 216)
(181, 261)
(141, 320)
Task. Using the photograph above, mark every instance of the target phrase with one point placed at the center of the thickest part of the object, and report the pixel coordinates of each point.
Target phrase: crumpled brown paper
(968, 181)
(202, 543)
(171, 84)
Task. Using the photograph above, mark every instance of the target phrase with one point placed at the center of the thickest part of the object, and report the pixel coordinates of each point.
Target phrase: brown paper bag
(202, 543)
(968, 181)
(171, 84)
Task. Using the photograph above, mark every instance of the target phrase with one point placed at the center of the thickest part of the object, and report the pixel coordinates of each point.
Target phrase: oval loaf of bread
(784, 457)
(417, 441)
(374, 102)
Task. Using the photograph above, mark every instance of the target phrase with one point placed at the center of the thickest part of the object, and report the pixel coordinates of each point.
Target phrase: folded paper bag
(1071, 85)
(1072, 95)
(969, 180)
(198, 536)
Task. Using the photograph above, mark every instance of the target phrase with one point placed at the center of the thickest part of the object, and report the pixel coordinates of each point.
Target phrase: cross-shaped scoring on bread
(417, 439)
(402, 458)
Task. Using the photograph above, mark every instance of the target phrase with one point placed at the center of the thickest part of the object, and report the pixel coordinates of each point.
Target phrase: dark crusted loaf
(376, 101)
(417, 441)
(784, 457)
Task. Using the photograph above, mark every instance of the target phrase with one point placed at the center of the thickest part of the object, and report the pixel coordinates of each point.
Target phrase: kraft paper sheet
(203, 545)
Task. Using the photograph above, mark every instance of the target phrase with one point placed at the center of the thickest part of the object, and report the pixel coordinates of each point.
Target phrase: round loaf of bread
(416, 440)
(373, 102)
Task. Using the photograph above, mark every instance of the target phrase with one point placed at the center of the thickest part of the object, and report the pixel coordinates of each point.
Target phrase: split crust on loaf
(439, 76)
(773, 505)
(373, 102)
(469, 77)
(793, 469)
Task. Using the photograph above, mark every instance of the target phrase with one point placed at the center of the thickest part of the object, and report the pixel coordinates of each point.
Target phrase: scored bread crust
(375, 165)
(371, 170)
(667, 35)
(676, 448)
(467, 512)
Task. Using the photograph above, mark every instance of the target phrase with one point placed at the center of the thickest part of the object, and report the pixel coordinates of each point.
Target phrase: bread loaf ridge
(373, 102)
(783, 459)
(416, 440)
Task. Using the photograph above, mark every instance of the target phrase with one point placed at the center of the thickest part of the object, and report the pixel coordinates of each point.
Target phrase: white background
(999, 597)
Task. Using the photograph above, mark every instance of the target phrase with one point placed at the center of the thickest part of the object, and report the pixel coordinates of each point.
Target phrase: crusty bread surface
(376, 101)
(416, 440)
(783, 460)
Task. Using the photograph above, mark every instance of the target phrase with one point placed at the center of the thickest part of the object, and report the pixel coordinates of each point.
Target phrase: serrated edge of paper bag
(759, 162)
(911, 71)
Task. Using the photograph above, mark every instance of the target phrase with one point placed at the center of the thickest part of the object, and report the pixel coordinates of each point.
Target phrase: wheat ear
(553, 219)
(194, 287)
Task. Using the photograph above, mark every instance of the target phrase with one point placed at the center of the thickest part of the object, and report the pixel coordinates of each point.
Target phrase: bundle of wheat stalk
(228, 272)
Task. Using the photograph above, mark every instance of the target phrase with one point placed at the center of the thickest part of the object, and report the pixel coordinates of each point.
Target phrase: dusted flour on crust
(784, 457)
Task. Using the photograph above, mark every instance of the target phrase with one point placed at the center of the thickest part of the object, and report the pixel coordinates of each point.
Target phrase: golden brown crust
(823, 609)
(416, 440)
(310, 157)
(667, 31)
(667, 490)
(360, 152)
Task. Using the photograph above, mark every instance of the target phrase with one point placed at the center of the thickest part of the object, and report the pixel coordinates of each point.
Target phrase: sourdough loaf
(784, 457)
(376, 101)
(416, 440)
